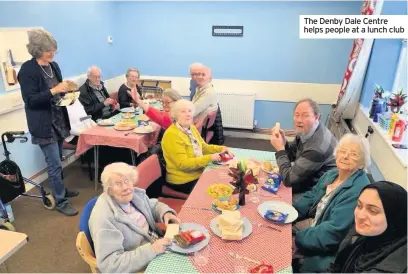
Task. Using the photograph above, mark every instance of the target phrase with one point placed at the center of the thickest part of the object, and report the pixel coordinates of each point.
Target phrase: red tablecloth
(108, 136)
(264, 244)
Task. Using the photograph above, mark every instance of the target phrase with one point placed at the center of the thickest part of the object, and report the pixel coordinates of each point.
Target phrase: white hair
(178, 105)
(348, 138)
(196, 65)
(92, 69)
(132, 69)
(118, 168)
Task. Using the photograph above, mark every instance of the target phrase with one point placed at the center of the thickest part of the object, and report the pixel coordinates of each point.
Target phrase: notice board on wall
(13, 53)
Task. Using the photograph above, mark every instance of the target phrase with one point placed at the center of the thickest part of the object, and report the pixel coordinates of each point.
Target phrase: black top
(92, 105)
(123, 96)
(36, 93)
(386, 252)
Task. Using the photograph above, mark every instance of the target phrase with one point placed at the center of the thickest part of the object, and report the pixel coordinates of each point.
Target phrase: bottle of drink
(398, 130)
(394, 119)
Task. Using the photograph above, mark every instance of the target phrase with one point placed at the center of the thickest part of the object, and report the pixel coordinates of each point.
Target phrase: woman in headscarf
(381, 230)
(326, 211)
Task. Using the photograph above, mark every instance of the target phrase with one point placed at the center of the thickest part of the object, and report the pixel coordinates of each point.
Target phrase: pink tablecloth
(108, 136)
(264, 244)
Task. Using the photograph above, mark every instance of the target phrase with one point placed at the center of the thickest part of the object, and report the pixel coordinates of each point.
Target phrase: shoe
(71, 193)
(67, 210)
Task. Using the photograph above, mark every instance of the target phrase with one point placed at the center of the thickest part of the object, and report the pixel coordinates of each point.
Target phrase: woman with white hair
(42, 84)
(123, 223)
(185, 152)
(326, 211)
(130, 89)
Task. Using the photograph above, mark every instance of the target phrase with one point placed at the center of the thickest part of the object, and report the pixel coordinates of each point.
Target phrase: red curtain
(368, 9)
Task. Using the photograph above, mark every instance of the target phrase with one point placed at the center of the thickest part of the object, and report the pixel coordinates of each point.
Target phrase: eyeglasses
(167, 103)
(352, 154)
(121, 184)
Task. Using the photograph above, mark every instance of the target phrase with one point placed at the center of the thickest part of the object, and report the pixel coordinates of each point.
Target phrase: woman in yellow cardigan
(185, 152)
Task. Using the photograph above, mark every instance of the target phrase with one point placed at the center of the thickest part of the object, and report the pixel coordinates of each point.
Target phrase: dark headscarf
(369, 251)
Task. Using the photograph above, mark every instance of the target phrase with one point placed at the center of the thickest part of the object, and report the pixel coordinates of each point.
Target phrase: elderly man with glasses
(95, 98)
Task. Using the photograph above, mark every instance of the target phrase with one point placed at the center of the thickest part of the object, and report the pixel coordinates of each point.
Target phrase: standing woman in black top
(132, 78)
(41, 86)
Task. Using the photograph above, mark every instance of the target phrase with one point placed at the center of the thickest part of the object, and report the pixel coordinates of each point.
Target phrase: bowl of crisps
(219, 190)
(128, 115)
(225, 203)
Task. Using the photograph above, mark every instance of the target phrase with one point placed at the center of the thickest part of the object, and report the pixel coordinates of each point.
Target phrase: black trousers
(184, 188)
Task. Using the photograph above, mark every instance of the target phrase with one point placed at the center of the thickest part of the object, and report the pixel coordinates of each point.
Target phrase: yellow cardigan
(181, 163)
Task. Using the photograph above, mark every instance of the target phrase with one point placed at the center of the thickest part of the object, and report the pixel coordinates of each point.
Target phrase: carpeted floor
(51, 246)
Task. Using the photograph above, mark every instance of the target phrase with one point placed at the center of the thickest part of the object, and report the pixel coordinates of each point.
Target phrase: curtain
(350, 91)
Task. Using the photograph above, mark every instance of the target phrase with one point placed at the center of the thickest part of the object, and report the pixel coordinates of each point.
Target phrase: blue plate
(194, 248)
(247, 230)
(127, 110)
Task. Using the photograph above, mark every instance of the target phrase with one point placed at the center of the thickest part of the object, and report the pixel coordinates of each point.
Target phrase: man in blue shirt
(194, 69)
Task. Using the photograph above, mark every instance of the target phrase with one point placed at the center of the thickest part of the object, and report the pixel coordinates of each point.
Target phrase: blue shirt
(193, 86)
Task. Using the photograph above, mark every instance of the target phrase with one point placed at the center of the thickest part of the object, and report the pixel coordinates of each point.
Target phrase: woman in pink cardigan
(162, 118)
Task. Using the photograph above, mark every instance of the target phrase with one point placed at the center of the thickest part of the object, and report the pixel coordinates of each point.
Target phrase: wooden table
(10, 242)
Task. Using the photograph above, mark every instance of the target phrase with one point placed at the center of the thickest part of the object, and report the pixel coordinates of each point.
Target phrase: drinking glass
(254, 196)
(201, 257)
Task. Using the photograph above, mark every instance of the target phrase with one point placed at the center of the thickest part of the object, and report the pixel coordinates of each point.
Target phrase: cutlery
(268, 226)
(199, 208)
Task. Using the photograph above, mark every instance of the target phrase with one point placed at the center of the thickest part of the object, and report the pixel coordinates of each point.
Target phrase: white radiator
(237, 110)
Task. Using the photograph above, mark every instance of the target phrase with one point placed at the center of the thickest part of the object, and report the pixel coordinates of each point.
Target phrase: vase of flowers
(242, 180)
(397, 100)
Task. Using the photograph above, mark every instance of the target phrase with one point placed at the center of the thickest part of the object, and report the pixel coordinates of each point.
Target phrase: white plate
(197, 246)
(144, 130)
(269, 172)
(129, 109)
(105, 123)
(247, 230)
(225, 163)
(122, 128)
(281, 207)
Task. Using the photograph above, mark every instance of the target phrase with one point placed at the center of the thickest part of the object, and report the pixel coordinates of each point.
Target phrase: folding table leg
(96, 159)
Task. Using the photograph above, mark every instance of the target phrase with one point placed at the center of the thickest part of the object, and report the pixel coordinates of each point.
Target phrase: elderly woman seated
(129, 89)
(326, 211)
(185, 152)
(123, 222)
(378, 242)
(162, 118)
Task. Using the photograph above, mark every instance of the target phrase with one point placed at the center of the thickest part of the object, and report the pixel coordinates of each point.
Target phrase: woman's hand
(160, 245)
(228, 151)
(60, 88)
(215, 157)
(171, 217)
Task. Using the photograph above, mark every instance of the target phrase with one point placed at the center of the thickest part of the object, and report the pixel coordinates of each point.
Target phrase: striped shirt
(311, 158)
